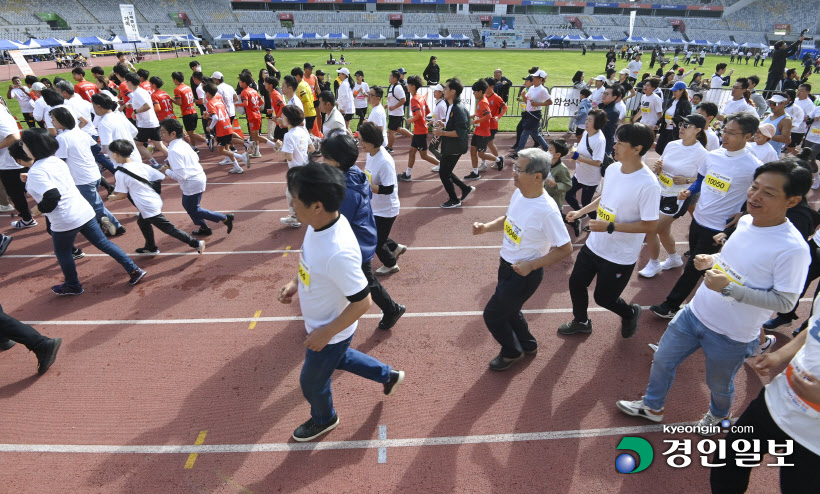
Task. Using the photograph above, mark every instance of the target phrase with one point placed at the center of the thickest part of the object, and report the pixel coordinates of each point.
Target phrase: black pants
(587, 191)
(14, 330)
(612, 279)
(309, 123)
(503, 315)
(384, 244)
(814, 273)
(445, 173)
(16, 190)
(665, 137)
(29, 118)
(377, 292)
(700, 242)
(166, 227)
(518, 130)
(803, 477)
(434, 147)
(771, 83)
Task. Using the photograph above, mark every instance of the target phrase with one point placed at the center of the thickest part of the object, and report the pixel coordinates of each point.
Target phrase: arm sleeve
(358, 297)
(386, 189)
(773, 300)
(695, 188)
(49, 202)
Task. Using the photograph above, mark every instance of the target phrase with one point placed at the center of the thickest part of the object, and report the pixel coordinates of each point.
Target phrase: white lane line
(331, 445)
(134, 213)
(382, 449)
(227, 320)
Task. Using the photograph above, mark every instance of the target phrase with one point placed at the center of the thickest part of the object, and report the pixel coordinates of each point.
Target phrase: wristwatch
(727, 290)
(610, 227)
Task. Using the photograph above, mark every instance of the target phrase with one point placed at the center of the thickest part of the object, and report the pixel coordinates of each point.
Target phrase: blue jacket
(356, 208)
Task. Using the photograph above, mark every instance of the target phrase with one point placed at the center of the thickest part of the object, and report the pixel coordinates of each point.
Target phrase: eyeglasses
(686, 125)
(518, 170)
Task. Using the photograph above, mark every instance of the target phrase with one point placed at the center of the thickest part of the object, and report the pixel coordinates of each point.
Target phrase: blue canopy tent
(310, 36)
(374, 36)
(575, 38)
(91, 41)
(598, 38)
(9, 45)
(701, 42)
(675, 41)
(458, 37)
(32, 43)
(725, 43)
(283, 36)
(337, 36)
(227, 37)
(754, 45)
(634, 39)
(51, 43)
(263, 39)
(403, 37)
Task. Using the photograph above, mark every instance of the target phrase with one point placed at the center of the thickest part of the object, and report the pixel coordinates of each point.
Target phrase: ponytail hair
(104, 102)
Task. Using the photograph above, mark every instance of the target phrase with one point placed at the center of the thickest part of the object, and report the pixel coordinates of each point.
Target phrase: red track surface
(161, 384)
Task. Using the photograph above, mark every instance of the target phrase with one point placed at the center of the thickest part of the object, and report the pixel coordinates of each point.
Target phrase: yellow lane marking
(192, 457)
(255, 315)
(286, 249)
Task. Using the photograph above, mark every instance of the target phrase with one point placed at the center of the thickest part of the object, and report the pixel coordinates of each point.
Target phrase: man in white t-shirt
(296, 146)
(395, 108)
(651, 104)
(334, 120)
(10, 171)
(709, 111)
(535, 237)
(806, 105)
(377, 115)
(738, 103)
(627, 210)
(634, 68)
(538, 98)
(22, 94)
(147, 122)
(333, 295)
(741, 288)
(718, 81)
(345, 100)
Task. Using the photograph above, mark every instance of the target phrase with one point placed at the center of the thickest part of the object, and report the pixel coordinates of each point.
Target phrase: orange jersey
(163, 105)
(496, 106)
(277, 102)
(312, 83)
(217, 110)
(251, 101)
(186, 99)
(125, 94)
(86, 90)
(419, 110)
(483, 111)
(147, 86)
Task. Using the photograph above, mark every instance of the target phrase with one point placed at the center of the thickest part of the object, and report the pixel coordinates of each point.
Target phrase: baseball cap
(438, 87)
(217, 75)
(697, 120)
(678, 86)
(267, 49)
(540, 73)
(401, 70)
(528, 78)
(777, 99)
(38, 86)
(600, 78)
(624, 71)
(344, 71)
(767, 130)
(320, 72)
(308, 65)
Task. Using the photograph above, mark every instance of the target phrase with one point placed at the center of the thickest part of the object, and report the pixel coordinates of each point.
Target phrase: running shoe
(200, 247)
(311, 430)
(652, 268)
(203, 231)
(46, 353)
(472, 176)
(384, 270)
(573, 327)
(466, 193)
(778, 321)
(5, 240)
(144, 251)
(404, 177)
(637, 408)
(400, 249)
(290, 221)
(77, 254)
(664, 310)
(8, 208)
(20, 224)
(672, 262)
(64, 290)
(766, 345)
(451, 204)
(483, 166)
(396, 378)
(500, 363)
(236, 171)
(707, 425)
(107, 226)
(229, 222)
(137, 275)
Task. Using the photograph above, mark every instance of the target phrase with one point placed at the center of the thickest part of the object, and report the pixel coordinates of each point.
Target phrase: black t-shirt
(268, 58)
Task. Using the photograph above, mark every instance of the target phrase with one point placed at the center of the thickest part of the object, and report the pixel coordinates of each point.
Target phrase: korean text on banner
(129, 21)
(20, 60)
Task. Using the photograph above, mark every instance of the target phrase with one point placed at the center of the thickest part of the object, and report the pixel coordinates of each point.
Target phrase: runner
(418, 115)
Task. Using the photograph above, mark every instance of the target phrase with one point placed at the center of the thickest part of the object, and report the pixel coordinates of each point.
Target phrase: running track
(201, 358)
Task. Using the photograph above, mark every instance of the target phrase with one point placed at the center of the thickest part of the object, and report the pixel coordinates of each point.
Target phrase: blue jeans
(682, 338)
(199, 214)
(64, 243)
(89, 192)
(100, 157)
(319, 366)
(531, 126)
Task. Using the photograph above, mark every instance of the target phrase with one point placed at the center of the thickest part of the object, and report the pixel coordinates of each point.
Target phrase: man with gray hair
(531, 226)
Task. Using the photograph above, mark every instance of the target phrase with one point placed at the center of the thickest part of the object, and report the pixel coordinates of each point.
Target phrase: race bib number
(606, 213)
(513, 233)
(666, 180)
(645, 109)
(304, 274)
(795, 371)
(668, 118)
(816, 131)
(723, 267)
(718, 183)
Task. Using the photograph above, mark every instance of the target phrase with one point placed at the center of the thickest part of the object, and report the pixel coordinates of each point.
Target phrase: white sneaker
(8, 208)
(707, 425)
(107, 226)
(435, 169)
(766, 345)
(671, 262)
(256, 154)
(654, 347)
(20, 224)
(483, 166)
(384, 270)
(400, 249)
(637, 408)
(652, 268)
(226, 161)
(200, 247)
(236, 171)
(290, 221)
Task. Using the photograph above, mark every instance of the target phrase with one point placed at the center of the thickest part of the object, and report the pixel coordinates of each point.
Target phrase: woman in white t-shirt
(361, 93)
(50, 184)
(677, 168)
(588, 158)
(113, 125)
(381, 171)
(22, 94)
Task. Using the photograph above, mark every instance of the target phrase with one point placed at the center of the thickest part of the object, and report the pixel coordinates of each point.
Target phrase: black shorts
(144, 135)
(361, 112)
(190, 121)
(493, 132)
(579, 131)
(419, 142)
(394, 122)
(224, 140)
(279, 133)
(480, 142)
(349, 116)
(672, 206)
(797, 138)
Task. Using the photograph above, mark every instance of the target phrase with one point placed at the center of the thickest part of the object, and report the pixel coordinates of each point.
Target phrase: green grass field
(466, 64)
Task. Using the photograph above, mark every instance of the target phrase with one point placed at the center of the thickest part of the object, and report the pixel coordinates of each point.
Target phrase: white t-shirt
(440, 110)
(531, 228)
(798, 117)
(41, 109)
(22, 96)
(669, 115)
(148, 202)
(8, 126)
(764, 153)
(345, 99)
(736, 106)
(49, 121)
(712, 140)
(539, 94)
(381, 170)
(330, 270)
(723, 192)
(634, 68)
(682, 161)
(651, 108)
(147, 119)
(798, 418)
(294, 100)
(395, 93)
(378, 117)
(716, 82)
(75, 150)
(597, 96)
(227, 93)
(807, 105)
(185, 168)
(72, 211)
(626, 198)
(779, 260)
(588, 174)
(334, 121)
(621, 107)
(83, 108)
(296, 142)
(362, 90)
(113, 126)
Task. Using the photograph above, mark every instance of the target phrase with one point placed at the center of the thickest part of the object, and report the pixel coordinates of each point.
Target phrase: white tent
(374, 36)
(408, 36)
(754, 45)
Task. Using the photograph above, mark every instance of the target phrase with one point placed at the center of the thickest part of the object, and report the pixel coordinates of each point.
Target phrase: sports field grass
(466, 64)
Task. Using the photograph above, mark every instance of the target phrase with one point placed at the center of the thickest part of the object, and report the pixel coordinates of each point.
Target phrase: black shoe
(203, 231)
(229, 222)
(136, 276)
(502, 363)
(778, 321)
(500, 163)
(513, 156)
(531, 353)
(630, 326)
(5, 345)
(472, 176)
(688, 253)
(404, 177)
(145, 251)
(389, 150)
(47, 353)
(388, 322)
(311, 430)
(77, 253)
(451, 204)
(800, 329)
(5, 240)
(465, 193)
(664, 310)
(120, 231)
(574, 327)
(65, 290)
(396, 378)
(576, 227)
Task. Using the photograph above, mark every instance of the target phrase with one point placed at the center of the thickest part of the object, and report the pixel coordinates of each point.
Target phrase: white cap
(600, 78)
(437, 87)
(38, 86)
(778, 98)
(624, 71)
(217, 75)
(344, 71)
(540, 73)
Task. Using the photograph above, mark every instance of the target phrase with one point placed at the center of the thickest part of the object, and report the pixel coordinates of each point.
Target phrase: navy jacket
(356, 208)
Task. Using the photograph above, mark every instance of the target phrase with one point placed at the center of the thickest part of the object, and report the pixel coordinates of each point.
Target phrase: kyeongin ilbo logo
(626, 463)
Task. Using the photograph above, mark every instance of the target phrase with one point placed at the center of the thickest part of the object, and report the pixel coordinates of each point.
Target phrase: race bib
(369, 176)
(794, 371)
(718, 183)
(816, 131)
(666, 180)
(723, 267)
(304, 273)
(606, 213)
(513, 233)
(668, 117)
(645, 109)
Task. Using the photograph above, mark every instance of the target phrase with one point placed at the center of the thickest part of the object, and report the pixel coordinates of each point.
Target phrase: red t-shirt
(147, 86)
(496, 105)
(125, 94)
(252, 103)
(483, 111)
(277, 102)
(86, 90)
(419, 109)
(186, 99)
(163, 105)
(217, 110)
